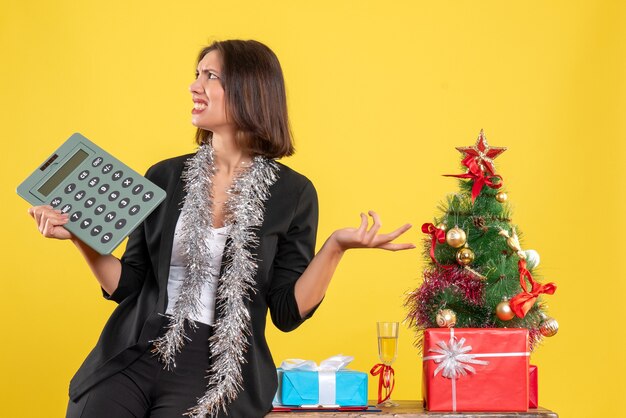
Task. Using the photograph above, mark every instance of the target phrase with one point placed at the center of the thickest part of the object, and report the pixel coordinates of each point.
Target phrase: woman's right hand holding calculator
(50, 221)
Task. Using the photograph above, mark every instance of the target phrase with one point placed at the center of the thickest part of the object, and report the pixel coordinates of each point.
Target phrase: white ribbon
(327, 380)
(455, 361)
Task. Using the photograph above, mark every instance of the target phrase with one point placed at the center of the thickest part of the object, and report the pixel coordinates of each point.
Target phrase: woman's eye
(209, 75)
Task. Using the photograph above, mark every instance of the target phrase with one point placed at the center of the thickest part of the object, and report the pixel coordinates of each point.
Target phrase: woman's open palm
(362, 237)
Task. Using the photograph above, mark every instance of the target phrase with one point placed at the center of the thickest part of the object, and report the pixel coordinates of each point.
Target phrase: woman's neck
(227, 155)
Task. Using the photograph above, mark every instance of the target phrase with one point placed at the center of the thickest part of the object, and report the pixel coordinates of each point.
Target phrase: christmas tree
(478, 275)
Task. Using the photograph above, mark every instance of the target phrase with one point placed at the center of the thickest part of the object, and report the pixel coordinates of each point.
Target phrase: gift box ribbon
(455, 360)
(326, 371)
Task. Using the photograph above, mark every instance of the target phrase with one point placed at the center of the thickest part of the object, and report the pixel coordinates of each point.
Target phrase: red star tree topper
(482, 154)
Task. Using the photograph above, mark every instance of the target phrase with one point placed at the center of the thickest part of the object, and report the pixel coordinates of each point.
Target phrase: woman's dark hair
(255, 97)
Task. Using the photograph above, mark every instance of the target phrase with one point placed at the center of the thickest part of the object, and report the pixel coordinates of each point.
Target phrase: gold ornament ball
(456, 237)
(501, 197)
(503, 311)
(465, 256)
(442, 226)
(549, 327)
(446, 318)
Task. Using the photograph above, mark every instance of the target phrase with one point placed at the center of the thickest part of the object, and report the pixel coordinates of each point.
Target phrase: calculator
(105, 199)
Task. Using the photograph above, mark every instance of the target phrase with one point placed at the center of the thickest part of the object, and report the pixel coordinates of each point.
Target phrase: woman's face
(209, 110)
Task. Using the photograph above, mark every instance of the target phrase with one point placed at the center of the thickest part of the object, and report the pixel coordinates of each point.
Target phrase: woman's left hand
(347, 238)
(311, 286)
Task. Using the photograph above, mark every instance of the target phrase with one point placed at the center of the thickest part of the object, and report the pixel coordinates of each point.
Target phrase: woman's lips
(198, 107)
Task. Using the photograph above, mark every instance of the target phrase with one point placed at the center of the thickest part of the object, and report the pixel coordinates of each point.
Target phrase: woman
(234, 238)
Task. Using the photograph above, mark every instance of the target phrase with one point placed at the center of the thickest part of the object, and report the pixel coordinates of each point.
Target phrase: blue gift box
(301, 387)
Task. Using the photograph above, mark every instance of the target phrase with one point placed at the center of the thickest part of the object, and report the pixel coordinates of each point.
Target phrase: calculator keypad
(109, 195)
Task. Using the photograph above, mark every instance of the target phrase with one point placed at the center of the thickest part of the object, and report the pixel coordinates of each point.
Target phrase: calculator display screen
(63, 172)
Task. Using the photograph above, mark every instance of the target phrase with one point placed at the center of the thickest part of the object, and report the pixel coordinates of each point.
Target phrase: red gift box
(475, 369)
(533, 391)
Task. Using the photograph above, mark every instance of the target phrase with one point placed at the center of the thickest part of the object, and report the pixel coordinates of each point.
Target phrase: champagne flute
(387, 352)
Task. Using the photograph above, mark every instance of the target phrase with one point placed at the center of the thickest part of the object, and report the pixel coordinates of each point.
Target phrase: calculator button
(79, 195)
(114, 195)
(85, 223)
(134, 210)
(70, 188)
(109, 216)
(100, 209)
(93, 181)
(120, 224)
(117, 175)
(147, 196)
(103, 189)
(137, 189)
(83, 175)
(96, 161)
(127, 182)
(89, 202)
(56, 202)
(123, 203)
(66, 208)
(107, 168)
(96, 230)
(106, 238)
(76, 216)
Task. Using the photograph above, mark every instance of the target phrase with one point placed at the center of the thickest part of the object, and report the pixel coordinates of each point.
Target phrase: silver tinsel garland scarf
(245, 210)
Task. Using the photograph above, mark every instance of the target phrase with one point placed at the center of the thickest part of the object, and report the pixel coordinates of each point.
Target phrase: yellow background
(380, 93)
